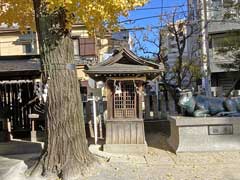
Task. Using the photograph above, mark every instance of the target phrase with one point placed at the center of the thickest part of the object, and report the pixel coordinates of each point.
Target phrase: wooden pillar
(5, 130)
(9, 131)
(89, 118)
(172, 109)
(163, 108)
(109, 113)
(147, 107)
(140, 99)
(155, 107)
(109, 101)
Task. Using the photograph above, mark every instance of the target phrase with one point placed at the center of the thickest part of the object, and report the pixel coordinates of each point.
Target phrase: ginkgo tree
(66, 152)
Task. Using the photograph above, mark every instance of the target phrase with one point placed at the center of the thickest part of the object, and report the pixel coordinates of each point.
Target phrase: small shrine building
(124, 75)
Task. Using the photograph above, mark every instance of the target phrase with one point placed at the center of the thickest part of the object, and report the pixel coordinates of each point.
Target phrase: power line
(162, 26)
(162, 15)
(150, 17)
(159, 7)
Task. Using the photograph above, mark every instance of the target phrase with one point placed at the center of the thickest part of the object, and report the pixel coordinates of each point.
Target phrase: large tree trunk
(66, 149)
(66, 152)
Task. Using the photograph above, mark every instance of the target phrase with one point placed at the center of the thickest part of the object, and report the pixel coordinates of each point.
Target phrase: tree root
(70, 172)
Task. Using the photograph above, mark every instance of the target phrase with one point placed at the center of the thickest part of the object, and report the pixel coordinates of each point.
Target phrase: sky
(148, 23)
(167, 7)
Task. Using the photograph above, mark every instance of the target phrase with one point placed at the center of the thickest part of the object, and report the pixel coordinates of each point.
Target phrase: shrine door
(124, 101)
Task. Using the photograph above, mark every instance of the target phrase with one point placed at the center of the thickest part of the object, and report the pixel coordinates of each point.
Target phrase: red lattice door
(125, 101)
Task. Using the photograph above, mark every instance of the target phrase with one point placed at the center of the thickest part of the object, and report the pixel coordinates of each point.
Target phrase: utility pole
(206, 79)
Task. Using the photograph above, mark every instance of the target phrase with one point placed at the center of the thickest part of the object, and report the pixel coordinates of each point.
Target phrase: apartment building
(222, 23)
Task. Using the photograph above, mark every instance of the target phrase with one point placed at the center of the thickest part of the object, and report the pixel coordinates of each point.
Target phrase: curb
(96, 150)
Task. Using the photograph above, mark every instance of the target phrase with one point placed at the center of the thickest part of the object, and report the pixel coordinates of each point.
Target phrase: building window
(28, 48)
(226, 40)
(216, 12)
(125, 101)
(84, 47)
(228, 3)
(210, 43)
(216, 3)
(87, 47)
(76, 47)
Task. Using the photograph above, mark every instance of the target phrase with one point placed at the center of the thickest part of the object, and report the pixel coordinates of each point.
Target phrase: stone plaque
(220, 129)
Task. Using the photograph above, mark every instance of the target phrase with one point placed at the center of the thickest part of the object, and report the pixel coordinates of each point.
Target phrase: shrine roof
(124, 62)
(19, 66)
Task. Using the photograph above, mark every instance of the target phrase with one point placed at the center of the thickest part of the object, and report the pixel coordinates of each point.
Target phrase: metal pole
(157, 89)
(95, 120)
(206, 80)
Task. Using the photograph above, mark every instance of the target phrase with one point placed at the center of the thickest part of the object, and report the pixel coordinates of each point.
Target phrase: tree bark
(66, 152)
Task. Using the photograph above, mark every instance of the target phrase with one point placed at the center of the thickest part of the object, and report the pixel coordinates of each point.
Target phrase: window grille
(125, 102)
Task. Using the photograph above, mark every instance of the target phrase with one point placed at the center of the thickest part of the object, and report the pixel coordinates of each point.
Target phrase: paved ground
(161, 164)
(158, 164)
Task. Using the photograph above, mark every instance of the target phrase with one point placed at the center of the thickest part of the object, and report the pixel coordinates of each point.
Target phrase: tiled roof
(19, 63)
(124, 63)
(122, 68)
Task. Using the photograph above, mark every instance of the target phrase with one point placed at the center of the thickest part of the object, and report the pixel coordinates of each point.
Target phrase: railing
(216, 60)
(89, 60)
(219, 12)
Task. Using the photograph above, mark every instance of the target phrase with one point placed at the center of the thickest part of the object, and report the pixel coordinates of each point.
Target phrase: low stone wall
(197, 134)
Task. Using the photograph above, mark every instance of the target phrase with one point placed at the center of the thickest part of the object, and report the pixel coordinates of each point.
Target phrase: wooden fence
(14, 96)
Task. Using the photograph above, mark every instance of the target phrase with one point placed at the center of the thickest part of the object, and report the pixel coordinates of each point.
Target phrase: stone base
(33, 136)
(37, 136)
(199, 134)
(41, 135)
(5, 136)
(2, 136)
(20, 147)
(131, 149)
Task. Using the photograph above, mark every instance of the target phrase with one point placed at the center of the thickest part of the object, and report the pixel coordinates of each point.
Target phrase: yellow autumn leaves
(17, 11)
(95, 14)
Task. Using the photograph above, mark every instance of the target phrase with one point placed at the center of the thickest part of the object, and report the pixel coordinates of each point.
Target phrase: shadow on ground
(27, 151)
(157, 132)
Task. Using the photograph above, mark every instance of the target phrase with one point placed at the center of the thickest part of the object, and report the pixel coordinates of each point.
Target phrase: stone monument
(210, 124)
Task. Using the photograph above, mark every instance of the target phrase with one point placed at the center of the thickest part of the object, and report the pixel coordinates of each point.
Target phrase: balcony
(85, 60)
(220, 27)
(217, 59)
(223, 18)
